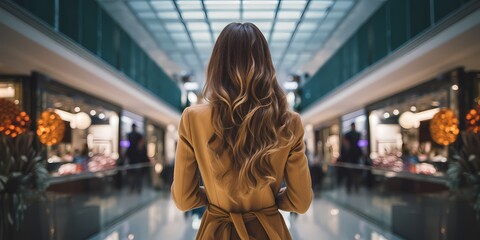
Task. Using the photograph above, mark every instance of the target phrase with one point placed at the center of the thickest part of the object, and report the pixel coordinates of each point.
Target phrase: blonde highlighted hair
(250, 115)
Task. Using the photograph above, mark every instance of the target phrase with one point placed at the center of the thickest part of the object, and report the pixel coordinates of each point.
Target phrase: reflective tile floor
(324, 220)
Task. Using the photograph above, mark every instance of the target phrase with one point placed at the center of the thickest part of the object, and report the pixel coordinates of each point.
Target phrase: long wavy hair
(250, 114)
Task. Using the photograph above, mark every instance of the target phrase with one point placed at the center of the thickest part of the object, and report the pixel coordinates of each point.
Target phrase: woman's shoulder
(295, 117)
(197, 111)
(199, 107)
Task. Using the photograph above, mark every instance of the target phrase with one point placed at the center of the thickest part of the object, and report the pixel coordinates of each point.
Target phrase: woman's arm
(186, 191)
(298, 194)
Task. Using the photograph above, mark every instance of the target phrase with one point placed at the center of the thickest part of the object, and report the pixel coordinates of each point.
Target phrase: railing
(393, 30)
(96, 174)
(93, 31)
(79, 206)
(412, 206)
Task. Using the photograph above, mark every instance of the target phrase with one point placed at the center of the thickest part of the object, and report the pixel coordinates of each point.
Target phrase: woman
(245, 142)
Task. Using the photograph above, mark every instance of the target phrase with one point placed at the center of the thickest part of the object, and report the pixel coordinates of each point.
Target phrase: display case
(89, 141)
(17, 88)
(402, 134)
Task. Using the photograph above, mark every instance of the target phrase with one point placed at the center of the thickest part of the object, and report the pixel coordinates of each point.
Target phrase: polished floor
(324, 220)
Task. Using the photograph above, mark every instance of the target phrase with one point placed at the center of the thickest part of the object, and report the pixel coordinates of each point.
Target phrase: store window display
(402, 133)
(90, 138)
(12, 91)
(472, 116)
(131, 124)
(327, 144)
(354, 131)
(156, 151)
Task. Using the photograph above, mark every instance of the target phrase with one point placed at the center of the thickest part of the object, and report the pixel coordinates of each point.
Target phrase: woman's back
(243, 143)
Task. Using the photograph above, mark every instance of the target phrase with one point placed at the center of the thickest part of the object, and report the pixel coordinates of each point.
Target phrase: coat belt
(221, 219)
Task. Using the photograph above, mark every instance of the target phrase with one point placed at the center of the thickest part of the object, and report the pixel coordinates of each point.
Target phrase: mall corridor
(92, 94)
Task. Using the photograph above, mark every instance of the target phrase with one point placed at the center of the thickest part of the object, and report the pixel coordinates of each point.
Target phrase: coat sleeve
(186, 191)
(298, 193)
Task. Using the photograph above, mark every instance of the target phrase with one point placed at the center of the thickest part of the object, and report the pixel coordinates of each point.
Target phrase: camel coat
(254, 216)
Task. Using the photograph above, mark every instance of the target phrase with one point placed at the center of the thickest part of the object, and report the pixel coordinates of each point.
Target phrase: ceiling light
(435, 103)
(289, 14)
(259, 15)
(320, 4)
(290, 85)
(386, 115)
(192, 97)
(77, 109)
(396, 112)
(189, 5)
(413, 108)
(8, 92)
(334, 211)
(93, 112)
(190, 86)
(158, 168)
(454, 87)
(101, 116)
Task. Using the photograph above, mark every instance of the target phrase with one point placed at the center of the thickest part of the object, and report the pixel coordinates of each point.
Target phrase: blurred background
(91, 93)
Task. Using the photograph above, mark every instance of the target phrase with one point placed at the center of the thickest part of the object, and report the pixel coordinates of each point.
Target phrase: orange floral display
(473, 120)
(19, 125)
(8, 112)
(50, 128)
(444, 127)
(13, 122)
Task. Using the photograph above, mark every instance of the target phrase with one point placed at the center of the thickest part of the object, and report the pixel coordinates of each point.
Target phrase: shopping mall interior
(79, 79)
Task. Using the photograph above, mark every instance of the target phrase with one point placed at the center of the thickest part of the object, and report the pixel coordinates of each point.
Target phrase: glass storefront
(156, 151)
(129, 119)
(400, 127)
(11, 90)
(327, 147)
(475, 76)
(358, 119)
(90, 140)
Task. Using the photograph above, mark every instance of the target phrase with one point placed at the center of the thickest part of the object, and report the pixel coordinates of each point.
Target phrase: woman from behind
(244, 142)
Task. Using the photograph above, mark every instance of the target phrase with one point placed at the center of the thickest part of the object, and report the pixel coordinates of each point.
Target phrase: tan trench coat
(254, 216)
